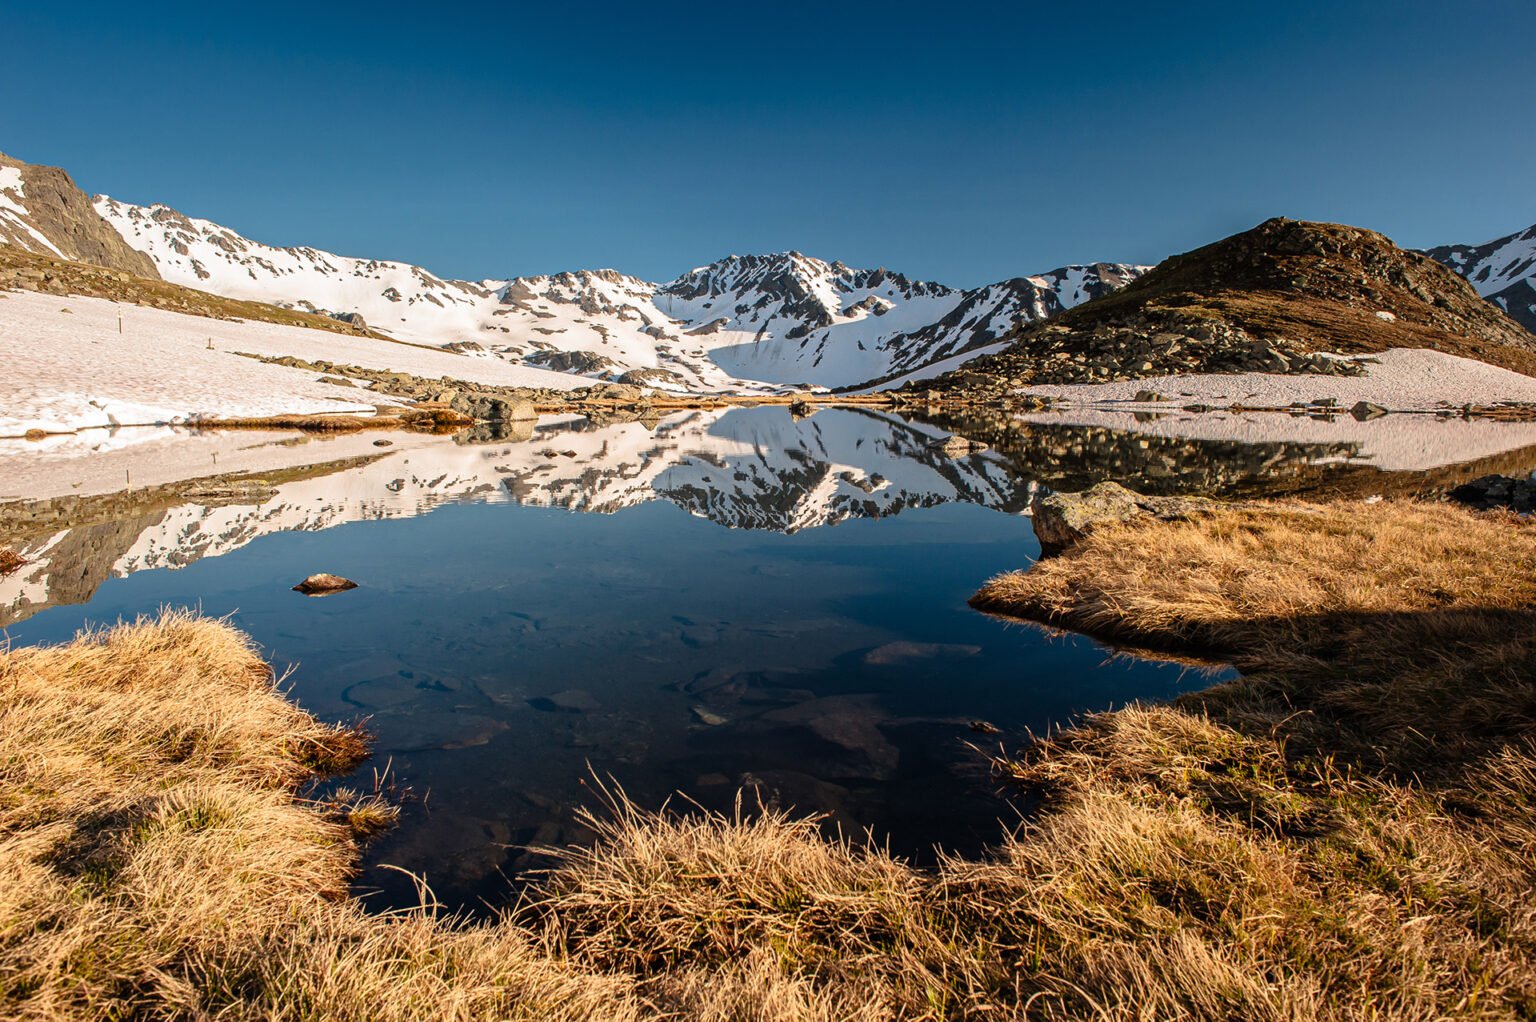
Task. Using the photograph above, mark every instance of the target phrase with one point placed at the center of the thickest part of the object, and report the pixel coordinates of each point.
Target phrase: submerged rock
(709, 717)
(1062, 519)
(571, 700)
(899, 652)
(324, 584)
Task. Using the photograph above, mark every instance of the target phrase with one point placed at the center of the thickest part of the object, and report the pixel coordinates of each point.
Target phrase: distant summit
(1503, 271)
(1279, 298)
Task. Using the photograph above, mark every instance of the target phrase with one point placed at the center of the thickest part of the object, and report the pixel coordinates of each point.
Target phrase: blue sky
(959, 142)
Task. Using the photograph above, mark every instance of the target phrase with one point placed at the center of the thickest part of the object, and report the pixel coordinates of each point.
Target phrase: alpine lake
(722, 607)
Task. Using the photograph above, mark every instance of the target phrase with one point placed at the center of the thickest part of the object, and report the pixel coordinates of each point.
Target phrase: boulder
(958, 446)
(1062, 519)
(1495, 491)
(324, 584)
(1364, 411)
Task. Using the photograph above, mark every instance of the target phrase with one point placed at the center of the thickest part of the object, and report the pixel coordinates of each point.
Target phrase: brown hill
(47, 204)
(1276, 298)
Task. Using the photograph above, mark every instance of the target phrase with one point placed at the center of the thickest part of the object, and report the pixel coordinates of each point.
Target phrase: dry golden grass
(158, 858)
(1413, 623)
(1335, 837)
(1344, 832)
(10, 561)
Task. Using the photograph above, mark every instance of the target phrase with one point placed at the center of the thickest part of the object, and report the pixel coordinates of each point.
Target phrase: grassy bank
(1346, 833)
(1347, 830)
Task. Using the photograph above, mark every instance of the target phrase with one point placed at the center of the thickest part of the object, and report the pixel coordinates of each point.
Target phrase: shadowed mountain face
(1503, 271)
(1271, 299)
(42, 210)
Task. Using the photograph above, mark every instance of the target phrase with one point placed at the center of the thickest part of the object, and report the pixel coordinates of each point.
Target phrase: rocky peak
(42, 210)
(791, 285)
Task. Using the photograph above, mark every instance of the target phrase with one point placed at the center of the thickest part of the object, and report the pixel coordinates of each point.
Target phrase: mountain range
(784, 318)
(743, 323)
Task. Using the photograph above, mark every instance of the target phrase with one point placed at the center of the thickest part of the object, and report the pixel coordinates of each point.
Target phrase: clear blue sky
(953, 141)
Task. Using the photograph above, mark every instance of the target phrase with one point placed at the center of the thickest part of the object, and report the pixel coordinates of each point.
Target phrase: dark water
(726, 602)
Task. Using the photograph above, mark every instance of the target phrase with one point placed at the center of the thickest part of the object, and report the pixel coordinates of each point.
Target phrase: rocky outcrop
(650, 377)
(42, 210)
(1496, 491)
(578, 362)
(1062, 519)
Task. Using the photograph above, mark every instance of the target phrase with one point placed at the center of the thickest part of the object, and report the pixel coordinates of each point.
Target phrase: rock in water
(324, 584)
(1061, 519)
(1364, 411)
(958, 446)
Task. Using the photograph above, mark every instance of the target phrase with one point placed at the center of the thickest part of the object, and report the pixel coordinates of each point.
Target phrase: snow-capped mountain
(1503, 271)
(745, 321)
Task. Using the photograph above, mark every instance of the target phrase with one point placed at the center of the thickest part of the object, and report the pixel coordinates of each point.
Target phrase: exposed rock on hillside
(1279, 298)
(42, 210)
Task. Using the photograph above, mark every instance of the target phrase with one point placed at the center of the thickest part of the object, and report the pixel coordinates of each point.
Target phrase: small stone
(383, 443)
(708, 717)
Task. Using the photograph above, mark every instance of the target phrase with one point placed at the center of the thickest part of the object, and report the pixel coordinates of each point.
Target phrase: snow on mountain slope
(1502, 270)
(399, 299)
(745, 322)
